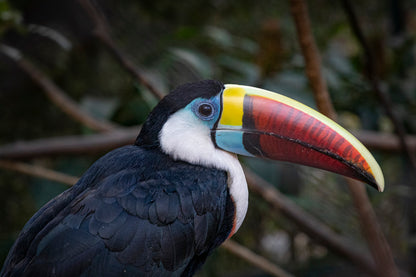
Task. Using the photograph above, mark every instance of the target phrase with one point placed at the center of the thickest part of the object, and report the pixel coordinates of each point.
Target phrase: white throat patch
(184, 137)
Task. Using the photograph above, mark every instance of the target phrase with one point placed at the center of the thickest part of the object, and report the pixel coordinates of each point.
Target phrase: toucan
(161, 206)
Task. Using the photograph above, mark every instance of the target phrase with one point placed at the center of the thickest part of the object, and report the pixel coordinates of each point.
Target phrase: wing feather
(126, 218)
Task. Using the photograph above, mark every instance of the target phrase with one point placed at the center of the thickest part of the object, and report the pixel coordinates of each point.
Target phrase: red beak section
(294, 136)
(279, 128)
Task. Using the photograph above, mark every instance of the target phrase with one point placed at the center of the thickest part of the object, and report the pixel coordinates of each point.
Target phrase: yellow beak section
(257, 122)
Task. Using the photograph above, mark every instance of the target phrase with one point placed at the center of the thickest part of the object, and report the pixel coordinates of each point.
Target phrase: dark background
(243, 42)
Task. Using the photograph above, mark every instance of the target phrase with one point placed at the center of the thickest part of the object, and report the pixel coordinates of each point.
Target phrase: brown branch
(371, 230)
(54, 93)
(311, 226)
(369, 225)
(102, 32)
(253, 258)
(312, 58)
(373, 78)
(384, 141)
(69, 145)
(38, 171)
(100, 143)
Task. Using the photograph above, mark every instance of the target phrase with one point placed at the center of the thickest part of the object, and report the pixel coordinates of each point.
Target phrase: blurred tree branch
(99, 143)
(54, 93)
(102, 32)
(69, 145)
(253, 258)
(38, 171)
(384, 141)
(309, 224)
(371, 229)
(312, 58)
(368, 221)
(372, 76)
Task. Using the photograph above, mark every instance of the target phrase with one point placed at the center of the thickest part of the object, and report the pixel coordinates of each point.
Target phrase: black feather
(186, 204)
(108, 230)
(123, 235)
(138, 226)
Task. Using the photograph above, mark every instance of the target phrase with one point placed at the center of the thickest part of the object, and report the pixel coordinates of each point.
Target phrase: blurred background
(167, 43)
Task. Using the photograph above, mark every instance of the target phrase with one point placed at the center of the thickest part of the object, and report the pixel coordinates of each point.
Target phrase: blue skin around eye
(214, 101)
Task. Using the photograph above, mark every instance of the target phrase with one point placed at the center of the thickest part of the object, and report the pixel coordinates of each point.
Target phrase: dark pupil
(205, 110)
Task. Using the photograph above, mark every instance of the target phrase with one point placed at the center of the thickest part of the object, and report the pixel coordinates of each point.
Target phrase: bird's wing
(163, 224)
(53, 212)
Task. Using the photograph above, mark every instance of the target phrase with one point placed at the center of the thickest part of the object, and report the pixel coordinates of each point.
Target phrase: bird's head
(197, 121)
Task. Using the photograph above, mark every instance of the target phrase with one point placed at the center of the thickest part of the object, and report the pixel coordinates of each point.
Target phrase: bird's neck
(183, 143)
(237, 185)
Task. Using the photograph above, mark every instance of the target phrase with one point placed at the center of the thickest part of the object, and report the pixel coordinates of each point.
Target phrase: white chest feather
(183, 137)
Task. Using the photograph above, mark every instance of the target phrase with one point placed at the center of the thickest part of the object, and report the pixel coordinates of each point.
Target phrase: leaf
(220, 36)
(99, 107)
(196, 60)
(247, 71)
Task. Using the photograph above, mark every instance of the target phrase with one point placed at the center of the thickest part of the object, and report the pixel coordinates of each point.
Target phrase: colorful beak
(256, 122)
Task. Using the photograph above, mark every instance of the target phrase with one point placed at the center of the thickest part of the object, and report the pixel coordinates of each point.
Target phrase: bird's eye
(205, 111)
